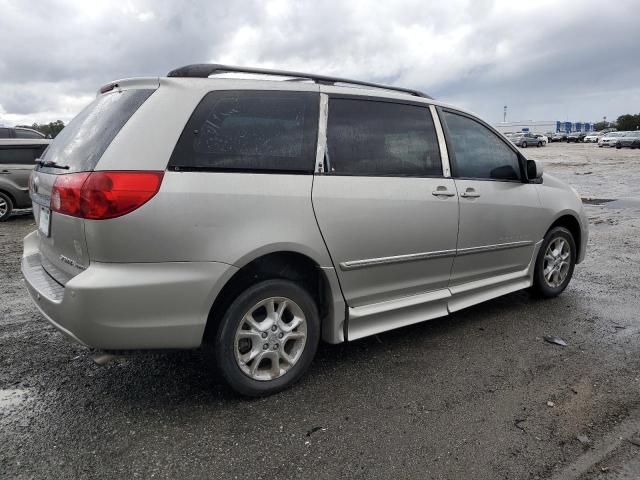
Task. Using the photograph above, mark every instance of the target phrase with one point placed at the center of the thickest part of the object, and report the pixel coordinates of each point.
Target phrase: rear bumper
(127, 306)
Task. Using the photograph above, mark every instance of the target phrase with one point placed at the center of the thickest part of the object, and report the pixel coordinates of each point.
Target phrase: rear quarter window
(81, 143)
(252, 131)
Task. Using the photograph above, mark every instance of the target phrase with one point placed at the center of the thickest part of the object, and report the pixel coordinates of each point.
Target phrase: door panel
(366, 221)
(499, 227)
(500, 215)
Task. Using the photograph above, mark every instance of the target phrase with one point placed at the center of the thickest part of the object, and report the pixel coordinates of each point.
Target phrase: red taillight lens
(65, 195)
(103, 195)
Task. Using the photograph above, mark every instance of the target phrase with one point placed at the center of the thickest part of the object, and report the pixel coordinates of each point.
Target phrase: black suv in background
(17, 159)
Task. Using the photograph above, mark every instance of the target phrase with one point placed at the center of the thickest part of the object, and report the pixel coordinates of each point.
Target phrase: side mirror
(534, 169)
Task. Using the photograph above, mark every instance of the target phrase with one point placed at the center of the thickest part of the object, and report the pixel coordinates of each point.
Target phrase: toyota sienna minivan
(261, 215)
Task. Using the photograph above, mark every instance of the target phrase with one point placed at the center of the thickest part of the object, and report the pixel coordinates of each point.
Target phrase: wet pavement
(477, 395)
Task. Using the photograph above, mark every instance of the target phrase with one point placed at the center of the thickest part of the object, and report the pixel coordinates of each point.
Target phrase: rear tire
(555, 263)
(6, 207)
(258, 350)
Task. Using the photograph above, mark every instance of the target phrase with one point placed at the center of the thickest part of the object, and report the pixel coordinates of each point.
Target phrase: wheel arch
(571, 223)
(287, 264)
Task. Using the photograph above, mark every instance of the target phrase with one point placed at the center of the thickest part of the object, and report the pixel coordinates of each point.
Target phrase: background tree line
(624, 123)
(50, 129)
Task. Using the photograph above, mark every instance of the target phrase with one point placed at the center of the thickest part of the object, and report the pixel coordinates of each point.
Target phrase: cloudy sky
(546, 60)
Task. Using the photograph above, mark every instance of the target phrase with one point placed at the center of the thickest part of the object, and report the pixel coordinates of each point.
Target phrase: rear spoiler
(130, 84)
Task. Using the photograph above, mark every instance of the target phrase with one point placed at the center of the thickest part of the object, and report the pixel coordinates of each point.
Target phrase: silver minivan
(261, 215)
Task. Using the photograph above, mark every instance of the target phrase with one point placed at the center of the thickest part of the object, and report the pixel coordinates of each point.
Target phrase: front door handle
(470, 193)
(442, 191)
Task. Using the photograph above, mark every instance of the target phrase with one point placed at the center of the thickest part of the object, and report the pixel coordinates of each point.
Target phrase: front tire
(267, 338)
(524, 144)
(555, 263)
(539, 144)
(6, 207)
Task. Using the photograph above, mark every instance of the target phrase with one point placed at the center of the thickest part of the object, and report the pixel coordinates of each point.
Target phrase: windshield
(81, 143)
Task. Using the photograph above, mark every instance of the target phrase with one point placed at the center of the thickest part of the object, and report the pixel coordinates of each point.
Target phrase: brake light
(103, 195)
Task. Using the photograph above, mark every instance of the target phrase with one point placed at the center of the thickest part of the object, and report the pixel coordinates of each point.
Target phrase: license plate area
(44, 224)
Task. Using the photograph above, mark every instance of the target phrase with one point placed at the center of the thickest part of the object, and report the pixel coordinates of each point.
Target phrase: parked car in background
(592, 137)
(20, 132)
(610, 139)
(575, 137)
(544, 139)
(629, 140)
(558, 137)
(315, 210)
(17, 159)
(525, 140)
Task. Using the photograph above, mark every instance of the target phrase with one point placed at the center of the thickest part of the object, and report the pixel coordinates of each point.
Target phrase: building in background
(544, 126)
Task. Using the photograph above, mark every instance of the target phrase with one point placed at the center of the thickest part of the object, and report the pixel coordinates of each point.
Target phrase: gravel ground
(477, 395)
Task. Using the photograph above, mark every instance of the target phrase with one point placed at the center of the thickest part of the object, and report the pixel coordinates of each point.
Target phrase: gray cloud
(545, 60)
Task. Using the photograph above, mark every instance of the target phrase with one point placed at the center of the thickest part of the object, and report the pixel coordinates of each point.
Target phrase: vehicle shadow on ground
(188, 378)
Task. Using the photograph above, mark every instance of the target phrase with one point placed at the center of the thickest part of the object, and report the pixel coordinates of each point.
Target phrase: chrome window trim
(412, 257)
(444, 153)
(322, 133)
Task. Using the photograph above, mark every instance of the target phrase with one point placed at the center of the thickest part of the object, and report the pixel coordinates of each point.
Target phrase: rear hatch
(76, 150)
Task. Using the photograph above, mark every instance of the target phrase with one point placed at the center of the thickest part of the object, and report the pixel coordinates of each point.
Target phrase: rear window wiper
(50, 164)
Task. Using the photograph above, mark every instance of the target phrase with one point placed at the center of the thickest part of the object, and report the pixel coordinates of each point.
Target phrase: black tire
(7, 207)
(618, 146)
(225, 337)
(539, 144)
(524, 144)
(540, 285)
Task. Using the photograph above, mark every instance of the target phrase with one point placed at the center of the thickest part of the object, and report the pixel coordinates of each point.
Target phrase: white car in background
(593, 137)
(544, 139)
(610, 139)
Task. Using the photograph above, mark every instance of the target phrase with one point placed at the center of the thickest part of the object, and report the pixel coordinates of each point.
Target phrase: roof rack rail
(203, 70)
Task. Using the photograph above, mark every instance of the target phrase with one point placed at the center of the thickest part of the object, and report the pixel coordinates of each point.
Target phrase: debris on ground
(550, 404)
(313, 430)
(583, 439)
(556, 340)
(635, 440)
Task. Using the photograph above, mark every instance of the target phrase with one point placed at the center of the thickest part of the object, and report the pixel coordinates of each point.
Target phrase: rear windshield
(251, 131)
(81, 143)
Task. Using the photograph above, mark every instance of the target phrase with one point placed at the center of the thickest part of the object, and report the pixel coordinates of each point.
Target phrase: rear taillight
(103, 195)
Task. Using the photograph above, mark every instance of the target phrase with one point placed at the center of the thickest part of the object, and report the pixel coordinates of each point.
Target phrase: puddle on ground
(615, 203)
(11, 398)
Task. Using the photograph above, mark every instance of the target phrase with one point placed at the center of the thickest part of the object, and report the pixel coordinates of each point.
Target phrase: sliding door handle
(442, 191)
(470, 193)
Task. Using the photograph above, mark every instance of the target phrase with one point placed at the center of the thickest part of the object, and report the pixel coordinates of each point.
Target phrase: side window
(478, 152)
(251, 130)
(20, 156)
(367, 137)
(21, 133)
(5, 133)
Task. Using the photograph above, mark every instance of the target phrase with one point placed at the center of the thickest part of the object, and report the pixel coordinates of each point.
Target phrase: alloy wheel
(557, 261)
(270, 339)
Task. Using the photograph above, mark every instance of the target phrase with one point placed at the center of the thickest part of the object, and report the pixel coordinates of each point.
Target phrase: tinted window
(379, 138)
(246, 130)
(20, 133)
(20, 156)
(5, 133)
(477, 152)
(81, 143)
